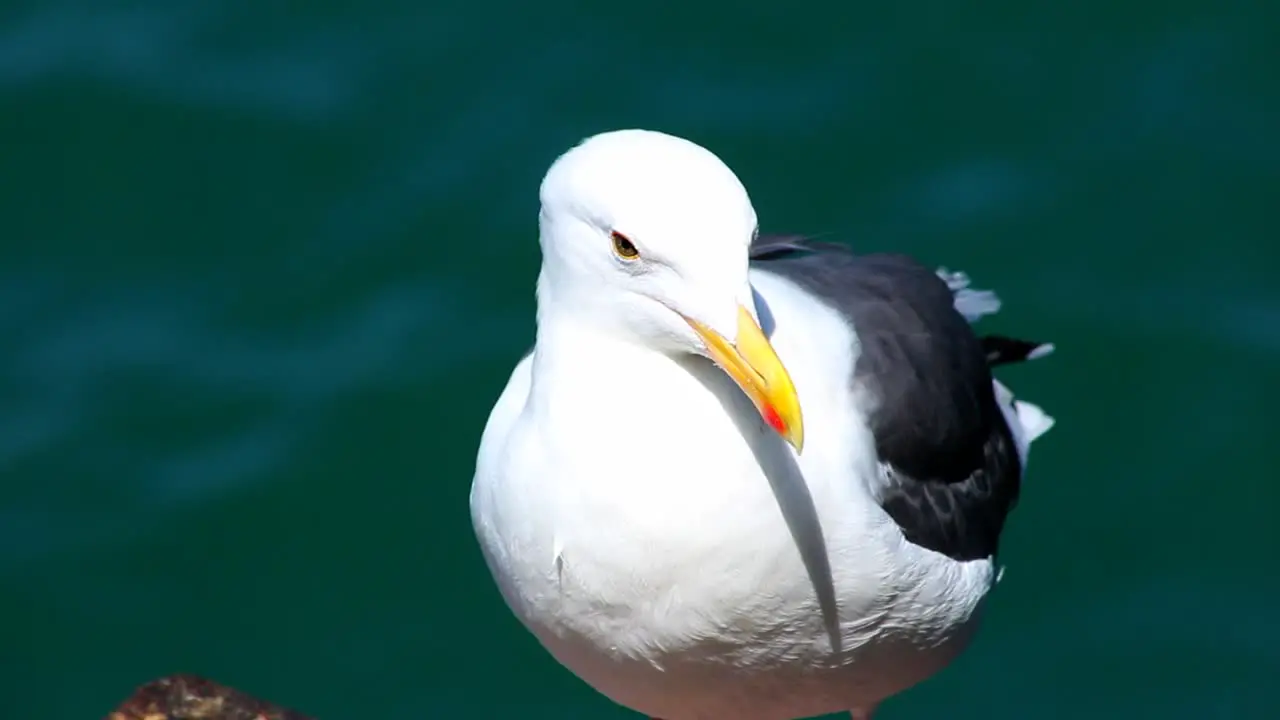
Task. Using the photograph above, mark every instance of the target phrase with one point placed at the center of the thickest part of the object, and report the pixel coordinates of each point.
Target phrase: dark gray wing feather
(950, 458)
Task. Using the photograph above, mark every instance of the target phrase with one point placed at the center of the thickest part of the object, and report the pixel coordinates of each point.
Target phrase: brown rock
(187, 697)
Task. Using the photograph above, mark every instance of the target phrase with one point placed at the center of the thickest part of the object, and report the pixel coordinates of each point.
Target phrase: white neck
(573, 344)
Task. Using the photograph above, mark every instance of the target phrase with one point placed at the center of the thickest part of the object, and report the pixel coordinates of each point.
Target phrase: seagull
(742, 475)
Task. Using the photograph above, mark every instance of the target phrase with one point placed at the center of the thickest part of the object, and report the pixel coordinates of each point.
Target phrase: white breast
(666, 553)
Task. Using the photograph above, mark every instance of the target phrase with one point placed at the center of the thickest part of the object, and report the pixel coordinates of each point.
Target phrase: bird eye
(623, 246)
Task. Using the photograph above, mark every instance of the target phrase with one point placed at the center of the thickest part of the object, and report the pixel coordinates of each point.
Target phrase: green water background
(265, 266)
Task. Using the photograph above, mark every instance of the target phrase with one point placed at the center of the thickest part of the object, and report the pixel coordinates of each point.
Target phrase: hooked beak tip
(754, 365)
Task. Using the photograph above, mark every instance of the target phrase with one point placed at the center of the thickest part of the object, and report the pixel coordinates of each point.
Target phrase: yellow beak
(753, 364)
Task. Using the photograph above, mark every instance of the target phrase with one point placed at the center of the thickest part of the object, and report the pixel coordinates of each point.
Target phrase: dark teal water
(264, 268)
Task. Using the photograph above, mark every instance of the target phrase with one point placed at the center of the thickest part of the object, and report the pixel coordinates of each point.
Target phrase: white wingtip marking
(971, 303)
(1035, 421)
(954, 280)
(1041, 351)
(1026, 420)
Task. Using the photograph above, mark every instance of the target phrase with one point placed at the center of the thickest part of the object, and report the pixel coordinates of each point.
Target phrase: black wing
(952, 465)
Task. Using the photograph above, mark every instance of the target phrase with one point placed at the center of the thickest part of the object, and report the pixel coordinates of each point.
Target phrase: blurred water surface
(265, 267)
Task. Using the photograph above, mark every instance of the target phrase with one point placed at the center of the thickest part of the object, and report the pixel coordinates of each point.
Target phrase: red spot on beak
(775, 421)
